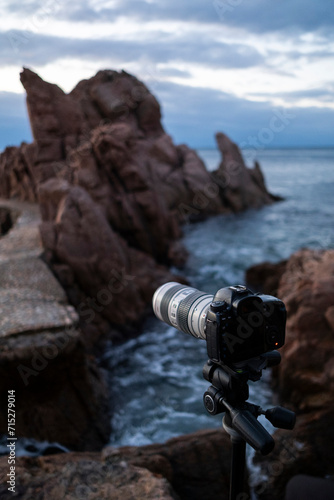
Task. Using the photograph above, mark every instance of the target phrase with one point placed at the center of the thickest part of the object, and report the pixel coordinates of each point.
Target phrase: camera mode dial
(218, 306)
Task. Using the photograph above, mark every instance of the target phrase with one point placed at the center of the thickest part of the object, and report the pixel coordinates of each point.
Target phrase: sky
(261, 71)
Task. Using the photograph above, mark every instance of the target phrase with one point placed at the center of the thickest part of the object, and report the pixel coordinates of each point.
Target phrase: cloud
(194, 115)
(321, 94)
(29, 48)
(258, 16)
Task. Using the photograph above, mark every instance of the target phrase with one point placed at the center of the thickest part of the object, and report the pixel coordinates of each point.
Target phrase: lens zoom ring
(184, 308)
(166, 300)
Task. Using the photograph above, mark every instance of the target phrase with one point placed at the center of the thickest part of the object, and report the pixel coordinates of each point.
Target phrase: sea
(156, 381)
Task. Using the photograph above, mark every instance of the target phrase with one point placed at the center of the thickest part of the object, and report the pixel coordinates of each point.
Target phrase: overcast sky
(261, 71)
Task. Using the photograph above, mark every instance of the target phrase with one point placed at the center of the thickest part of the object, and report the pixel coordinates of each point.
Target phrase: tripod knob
(211, 399)
(281, 417)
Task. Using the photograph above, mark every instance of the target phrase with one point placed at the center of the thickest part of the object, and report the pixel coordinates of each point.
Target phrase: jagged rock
(241, 187)
(305, 378)
(94, 258)
(17, 173)
(102, 148)
(61, 395)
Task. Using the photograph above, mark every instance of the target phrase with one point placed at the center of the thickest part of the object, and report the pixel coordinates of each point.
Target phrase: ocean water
(157, 383)
(156, 380)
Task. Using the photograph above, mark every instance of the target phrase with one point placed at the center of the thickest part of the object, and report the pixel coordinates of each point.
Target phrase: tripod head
(229, 392)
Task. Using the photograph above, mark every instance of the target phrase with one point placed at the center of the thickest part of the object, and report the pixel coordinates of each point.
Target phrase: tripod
(228, 393)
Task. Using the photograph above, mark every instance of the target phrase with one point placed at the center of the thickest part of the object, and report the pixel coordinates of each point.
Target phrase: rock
(191, 467)
(265, 277)
(305, 378)
(61, 395)
(197, 465)
(101, 157)
(104, 277)
(76, 476)
(6, 220)
(17, 173)
(241, 187)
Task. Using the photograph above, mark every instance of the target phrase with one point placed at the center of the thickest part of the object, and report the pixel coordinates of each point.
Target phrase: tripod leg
(237, 467)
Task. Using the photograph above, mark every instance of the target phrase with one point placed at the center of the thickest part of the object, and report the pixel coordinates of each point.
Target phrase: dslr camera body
(237, 324)
(243, 331)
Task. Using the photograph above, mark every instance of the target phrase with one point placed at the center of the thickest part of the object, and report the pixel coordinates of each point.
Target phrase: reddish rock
(17, 173)
(305, 377)
(60, 393)
(241, 187)
(103, 275)
(114, 189)
(265, 277)
(76, 476)
(191, 467)
(307, 288)
(197, 465)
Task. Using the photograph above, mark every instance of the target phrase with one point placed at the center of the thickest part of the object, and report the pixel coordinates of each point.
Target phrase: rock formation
(240, 187)
(191, 467)
(113, 190)
(305, 377)
(61, 395)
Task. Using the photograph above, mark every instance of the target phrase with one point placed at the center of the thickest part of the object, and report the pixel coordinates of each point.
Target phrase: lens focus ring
(184, 308)
(166, 300)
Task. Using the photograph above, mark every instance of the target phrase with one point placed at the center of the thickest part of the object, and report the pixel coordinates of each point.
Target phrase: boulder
(191, 467)
(77, 476)
(265, 277)
(197, 465)
(304, 380)
(306, 375)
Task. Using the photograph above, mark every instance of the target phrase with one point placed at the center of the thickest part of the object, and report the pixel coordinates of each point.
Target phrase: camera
(236, 323)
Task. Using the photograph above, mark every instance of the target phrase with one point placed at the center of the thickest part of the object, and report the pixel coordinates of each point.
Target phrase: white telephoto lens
(183, 307)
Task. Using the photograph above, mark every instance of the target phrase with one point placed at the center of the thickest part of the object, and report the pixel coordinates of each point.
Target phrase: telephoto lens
(183, 307)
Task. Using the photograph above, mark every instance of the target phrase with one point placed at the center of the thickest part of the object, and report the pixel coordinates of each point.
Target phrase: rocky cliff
(305, 378)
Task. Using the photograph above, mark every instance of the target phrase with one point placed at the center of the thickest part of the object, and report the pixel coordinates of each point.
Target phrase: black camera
(236, 323)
